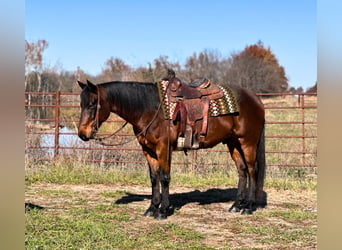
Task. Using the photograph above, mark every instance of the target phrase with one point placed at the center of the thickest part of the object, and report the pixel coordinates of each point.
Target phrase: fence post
(57, 119)
(194, 162)
(303, 129)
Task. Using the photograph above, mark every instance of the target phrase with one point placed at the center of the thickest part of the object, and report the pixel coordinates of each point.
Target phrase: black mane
(133, 96)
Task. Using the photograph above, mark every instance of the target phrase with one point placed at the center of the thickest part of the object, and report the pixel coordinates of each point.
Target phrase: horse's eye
(91, 104)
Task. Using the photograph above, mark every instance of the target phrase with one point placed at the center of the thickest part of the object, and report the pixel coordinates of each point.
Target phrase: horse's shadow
(30, 206)
(178, 200)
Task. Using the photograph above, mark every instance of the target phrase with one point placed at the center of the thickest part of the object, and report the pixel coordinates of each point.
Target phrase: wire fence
(51, 133)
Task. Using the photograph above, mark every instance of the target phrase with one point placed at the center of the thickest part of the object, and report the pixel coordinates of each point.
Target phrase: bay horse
(138, 103)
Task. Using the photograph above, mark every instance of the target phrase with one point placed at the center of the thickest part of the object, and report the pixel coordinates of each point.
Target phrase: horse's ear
(81, 84)
(92, 87)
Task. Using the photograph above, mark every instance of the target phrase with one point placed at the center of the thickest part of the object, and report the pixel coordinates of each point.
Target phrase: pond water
(67, 138)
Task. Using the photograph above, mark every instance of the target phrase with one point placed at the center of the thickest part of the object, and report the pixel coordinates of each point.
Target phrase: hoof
(234, 209)
(150, 212)
(159, 216)
(247, 211)
(262, 204)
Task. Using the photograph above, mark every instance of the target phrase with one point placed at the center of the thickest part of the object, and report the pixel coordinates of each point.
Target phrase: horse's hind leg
(242, 173)
(250, 158)
(244, 158)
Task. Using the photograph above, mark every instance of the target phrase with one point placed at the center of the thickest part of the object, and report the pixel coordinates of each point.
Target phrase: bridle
(98, 107)
(97, 121)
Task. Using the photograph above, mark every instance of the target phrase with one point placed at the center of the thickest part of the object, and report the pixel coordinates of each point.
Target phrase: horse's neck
(133, 106)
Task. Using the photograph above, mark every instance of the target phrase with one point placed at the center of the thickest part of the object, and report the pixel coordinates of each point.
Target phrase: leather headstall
(98, 107)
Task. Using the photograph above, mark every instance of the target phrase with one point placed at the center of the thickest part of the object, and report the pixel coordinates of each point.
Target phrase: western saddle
(190, 103)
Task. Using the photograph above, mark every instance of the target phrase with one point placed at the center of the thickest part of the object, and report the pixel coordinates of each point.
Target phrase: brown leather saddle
(192, 103)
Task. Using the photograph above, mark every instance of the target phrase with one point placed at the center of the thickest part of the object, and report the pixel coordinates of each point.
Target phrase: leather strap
(180, 107)
(205, 101)
(98, 107)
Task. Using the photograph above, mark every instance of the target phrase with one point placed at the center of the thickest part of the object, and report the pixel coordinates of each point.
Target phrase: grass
(290, 227)
(62, 172)
(75, 218)
(74, 173)
(293, 215)
(270, 234)
(103, 227)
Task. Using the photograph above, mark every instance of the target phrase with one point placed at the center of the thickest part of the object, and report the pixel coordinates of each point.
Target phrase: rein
(98, 107)
(101, 141)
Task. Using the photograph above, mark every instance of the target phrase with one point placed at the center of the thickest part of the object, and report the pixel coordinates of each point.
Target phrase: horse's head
(94, 110)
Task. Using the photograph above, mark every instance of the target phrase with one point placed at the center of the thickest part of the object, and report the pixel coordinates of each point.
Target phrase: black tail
(261, 197)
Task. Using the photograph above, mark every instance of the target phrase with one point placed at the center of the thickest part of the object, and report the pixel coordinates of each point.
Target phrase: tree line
(255, 67)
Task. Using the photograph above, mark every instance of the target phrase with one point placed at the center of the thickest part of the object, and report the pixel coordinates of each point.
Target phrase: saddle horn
(170, 74)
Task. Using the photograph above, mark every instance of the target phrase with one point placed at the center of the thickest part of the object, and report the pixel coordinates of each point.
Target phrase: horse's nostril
(83, 137)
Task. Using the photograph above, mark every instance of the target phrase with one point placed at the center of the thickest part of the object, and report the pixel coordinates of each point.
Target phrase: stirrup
(180, 143)
(188, 137)
(195, 143)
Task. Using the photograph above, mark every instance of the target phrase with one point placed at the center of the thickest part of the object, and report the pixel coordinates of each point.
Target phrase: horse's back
(247, 97)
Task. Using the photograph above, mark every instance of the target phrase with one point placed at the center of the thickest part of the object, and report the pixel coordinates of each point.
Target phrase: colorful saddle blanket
(222, 100)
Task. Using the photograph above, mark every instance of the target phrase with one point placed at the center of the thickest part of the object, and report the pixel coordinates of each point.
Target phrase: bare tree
(34, 60)
(160, 66)
(116, 70)
(256, 68)
(206, 64)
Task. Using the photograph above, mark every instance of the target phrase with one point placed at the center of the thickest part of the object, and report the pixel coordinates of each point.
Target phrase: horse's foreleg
(165, 196)
(159, 174)
(153, 210)
(164, 159)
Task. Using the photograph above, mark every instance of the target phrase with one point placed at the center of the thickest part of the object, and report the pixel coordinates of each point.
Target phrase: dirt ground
(201, 210)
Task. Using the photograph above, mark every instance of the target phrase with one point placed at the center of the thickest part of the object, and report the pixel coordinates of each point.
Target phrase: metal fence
(51, 132)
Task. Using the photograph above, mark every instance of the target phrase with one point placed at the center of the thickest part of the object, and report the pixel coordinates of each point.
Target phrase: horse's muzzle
(83, 137)
(87, 133)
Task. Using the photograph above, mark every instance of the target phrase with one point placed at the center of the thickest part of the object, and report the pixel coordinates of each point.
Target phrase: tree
(296, 90)
(256, 68)
(34, 61)
(312, 89)
(206, 64)
(116, 70)
(34, 55)
(160, 66)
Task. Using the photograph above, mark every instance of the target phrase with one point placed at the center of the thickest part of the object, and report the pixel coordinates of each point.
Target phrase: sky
(88, 33)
